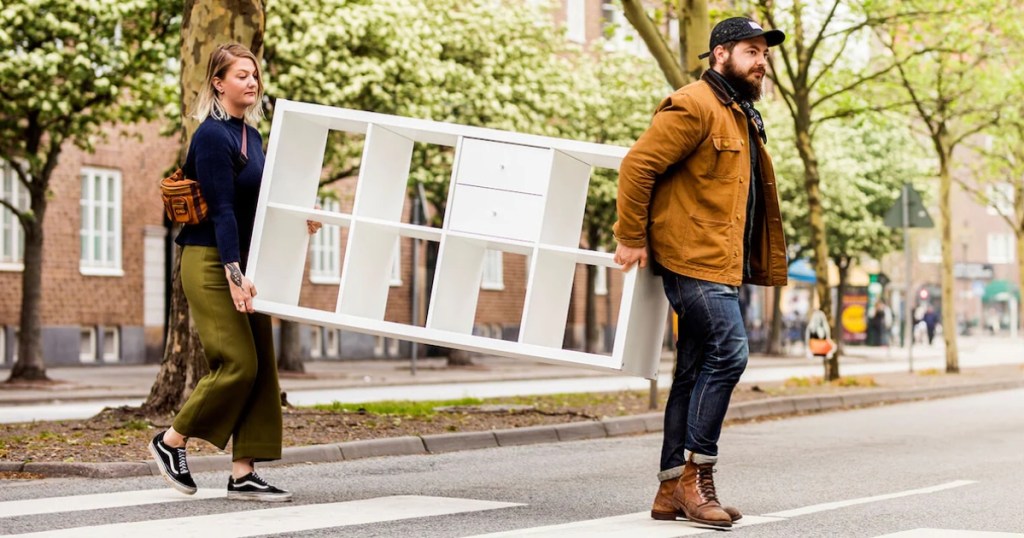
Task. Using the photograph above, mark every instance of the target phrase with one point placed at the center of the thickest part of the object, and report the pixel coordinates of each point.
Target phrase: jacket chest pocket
(727, 158)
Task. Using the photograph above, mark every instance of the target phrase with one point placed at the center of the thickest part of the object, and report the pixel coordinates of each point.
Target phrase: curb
(551, 433)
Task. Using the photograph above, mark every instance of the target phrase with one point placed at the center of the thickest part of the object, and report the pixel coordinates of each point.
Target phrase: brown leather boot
(695, 495)
(662, 509)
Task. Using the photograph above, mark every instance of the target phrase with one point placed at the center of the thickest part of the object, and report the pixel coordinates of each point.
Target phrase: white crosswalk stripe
(948, 533)
(99, 501)
(627, 526)
(285, 520)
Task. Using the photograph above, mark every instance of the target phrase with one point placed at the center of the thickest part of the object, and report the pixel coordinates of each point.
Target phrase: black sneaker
(172, 464)
(252, 487)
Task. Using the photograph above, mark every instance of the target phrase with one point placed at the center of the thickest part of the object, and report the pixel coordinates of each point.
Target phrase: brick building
(107, 248)
(104, 268)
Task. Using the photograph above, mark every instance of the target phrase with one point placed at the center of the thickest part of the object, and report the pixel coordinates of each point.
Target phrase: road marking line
(864, 500)
(947, 533)
(99, 501)
(626, 526)
(291, 519)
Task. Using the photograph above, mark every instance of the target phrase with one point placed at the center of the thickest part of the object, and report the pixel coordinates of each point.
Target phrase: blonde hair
(208, 103)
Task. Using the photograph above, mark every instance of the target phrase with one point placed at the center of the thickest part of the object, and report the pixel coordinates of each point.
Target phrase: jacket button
(725, 144)
(737, 217)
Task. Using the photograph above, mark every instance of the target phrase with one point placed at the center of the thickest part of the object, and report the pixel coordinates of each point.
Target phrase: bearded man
(697, 197)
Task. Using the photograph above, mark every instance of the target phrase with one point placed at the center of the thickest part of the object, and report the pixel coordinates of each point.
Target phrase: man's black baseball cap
(738, 29)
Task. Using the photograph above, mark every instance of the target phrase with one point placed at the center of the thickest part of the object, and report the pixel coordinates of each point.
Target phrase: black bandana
(745, 104)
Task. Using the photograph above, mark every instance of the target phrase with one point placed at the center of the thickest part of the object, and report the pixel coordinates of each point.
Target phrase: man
(697, 191)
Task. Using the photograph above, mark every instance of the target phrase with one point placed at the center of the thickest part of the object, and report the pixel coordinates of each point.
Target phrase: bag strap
(245, 143)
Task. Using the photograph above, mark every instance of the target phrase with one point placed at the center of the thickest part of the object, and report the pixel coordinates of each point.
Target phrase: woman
(240, 398)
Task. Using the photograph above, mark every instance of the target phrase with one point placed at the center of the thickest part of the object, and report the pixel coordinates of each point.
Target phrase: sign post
(908, 212)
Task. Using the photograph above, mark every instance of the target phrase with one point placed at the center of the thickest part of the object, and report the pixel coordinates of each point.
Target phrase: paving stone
(396, 446)
(450, 442)
(526, 436)
(575, 431)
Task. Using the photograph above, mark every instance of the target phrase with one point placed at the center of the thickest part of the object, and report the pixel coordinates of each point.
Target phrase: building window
(325, 248)
(493, 278)
(12, 236)
(100, 231)
(111, 344)
(576, 20)
(396, 263)
(619, 34)
(87, 345)
(332, 342)
(1000, 199)
(1001, 248)
(316, 344)
(930, 251)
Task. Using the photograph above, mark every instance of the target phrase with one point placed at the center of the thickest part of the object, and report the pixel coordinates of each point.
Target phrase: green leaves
(67, 68)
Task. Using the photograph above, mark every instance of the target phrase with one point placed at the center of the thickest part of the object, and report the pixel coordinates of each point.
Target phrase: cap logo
(754, 25)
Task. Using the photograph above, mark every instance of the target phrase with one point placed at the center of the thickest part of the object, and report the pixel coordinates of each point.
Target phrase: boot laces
(706, 482)
(182, 463)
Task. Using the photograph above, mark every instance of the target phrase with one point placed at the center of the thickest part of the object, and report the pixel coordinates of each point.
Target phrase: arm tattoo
(236, 273)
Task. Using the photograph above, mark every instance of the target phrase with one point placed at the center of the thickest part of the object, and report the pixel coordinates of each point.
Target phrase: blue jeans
(711, 354)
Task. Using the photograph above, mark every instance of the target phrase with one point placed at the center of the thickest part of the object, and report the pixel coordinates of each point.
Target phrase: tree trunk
(775, 329)
(832, 368)
(667, 62)
(184, 363)
(948, 312)
(815, 214)
(206, 24)
(290, 359)
(30, 366)
(694, 34)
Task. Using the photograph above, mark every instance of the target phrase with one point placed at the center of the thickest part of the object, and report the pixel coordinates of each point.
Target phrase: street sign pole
(908, 321)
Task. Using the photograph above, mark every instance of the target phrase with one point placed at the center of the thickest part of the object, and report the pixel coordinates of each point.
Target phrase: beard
(746, 86)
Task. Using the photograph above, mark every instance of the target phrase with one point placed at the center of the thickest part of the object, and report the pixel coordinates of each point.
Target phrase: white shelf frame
(517, 193)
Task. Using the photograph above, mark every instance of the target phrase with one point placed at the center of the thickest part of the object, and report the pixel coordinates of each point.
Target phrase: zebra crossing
(340, 518)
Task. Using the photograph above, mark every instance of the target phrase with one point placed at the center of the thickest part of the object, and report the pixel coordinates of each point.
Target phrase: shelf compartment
(460, 265)
(565, 201)
(383, 174)
(548, 293)
(365, 272)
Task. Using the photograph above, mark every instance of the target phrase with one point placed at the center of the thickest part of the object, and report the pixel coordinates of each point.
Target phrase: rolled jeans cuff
(669, 474)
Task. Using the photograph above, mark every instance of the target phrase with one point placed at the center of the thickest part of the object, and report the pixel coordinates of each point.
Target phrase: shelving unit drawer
(509, 167)
(495, 213)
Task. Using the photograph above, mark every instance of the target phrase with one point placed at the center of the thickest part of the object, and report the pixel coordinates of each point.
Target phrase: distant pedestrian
(698, 190)
(239, 400)
(931, 320)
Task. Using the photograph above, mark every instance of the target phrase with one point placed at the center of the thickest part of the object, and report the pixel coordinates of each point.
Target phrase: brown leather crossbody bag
(183, 202)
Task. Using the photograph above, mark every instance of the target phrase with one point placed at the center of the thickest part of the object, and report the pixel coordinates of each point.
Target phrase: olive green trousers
(240, 399)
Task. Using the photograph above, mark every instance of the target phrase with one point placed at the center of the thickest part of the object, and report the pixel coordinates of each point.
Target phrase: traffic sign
(919, 217)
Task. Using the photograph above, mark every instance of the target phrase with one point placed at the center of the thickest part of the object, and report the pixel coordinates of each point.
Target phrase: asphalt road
(952, 467)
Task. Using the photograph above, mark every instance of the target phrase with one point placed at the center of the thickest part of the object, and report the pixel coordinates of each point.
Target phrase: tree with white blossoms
(68, 71)
(865, 160)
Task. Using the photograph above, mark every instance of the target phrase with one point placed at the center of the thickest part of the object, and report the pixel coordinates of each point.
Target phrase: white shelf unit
(512, 192)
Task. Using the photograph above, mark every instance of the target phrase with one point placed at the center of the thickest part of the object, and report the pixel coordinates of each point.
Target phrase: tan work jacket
(683, 190)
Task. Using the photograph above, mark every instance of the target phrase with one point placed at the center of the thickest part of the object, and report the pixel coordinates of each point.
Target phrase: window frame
(326, 243)
(20, 196)
(93, 263)
(495, 279)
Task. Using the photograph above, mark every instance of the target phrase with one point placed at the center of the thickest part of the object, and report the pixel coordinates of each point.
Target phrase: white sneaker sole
(163, 472)
(264, 497)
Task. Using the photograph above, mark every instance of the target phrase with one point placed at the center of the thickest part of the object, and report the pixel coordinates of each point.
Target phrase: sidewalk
(392, 378)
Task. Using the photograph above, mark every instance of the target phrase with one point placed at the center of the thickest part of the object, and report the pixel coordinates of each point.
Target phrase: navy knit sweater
(212, 159)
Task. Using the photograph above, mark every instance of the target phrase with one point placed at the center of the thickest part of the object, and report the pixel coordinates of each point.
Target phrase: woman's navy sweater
(212, 158)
